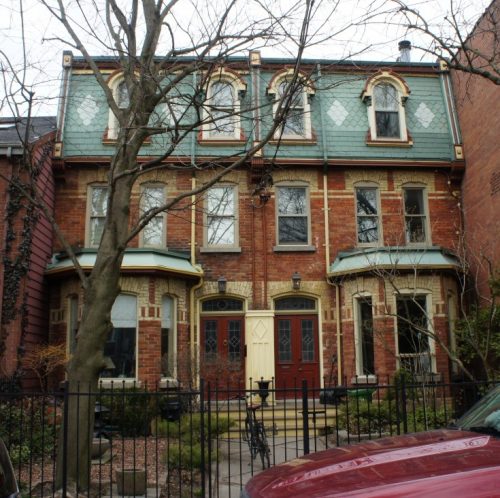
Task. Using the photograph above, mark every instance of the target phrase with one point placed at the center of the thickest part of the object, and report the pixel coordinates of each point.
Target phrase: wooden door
(297, 352)
(222, 353)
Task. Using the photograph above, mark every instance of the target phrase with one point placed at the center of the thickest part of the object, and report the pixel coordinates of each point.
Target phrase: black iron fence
(209, 441)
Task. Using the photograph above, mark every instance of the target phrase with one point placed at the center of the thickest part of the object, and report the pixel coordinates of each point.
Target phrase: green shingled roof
(134, 260)
(398, 258)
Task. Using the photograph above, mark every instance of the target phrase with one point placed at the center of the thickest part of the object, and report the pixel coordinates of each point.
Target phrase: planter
(131, 482)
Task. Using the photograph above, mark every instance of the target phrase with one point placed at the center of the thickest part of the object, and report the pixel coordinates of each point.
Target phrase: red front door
(297, 352)
(222, 353)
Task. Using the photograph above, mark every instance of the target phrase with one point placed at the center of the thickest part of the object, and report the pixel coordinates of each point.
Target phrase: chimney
(404, 51)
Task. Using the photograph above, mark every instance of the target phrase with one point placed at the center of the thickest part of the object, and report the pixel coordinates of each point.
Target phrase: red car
(463, 462)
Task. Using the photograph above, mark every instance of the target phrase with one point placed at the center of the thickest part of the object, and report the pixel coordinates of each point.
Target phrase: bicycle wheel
(263, 447)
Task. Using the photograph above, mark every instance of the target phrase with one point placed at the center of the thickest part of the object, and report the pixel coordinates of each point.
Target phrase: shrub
(130, 410)
(28, 428)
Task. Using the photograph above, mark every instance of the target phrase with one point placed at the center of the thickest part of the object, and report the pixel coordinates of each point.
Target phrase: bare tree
(192, 54)
(465, 48)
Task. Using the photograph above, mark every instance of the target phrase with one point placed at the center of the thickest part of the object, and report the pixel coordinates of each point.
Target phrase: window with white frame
(293, 221)
(367, 215)
(293, 98)
(415, 215)
(120, 93)
(168, 338)
(221, 229)
(222, 107)
(97, 206)
(385, 94)
(414, 352)
(365, 346)
(120, 348)
(153, 234)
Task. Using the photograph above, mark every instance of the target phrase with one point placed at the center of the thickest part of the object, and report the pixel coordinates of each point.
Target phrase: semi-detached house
(327, 256)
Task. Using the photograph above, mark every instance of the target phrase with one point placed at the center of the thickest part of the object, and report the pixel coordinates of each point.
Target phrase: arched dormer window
(222, 107)
(120, 92)
(385, 95)
(297, 123)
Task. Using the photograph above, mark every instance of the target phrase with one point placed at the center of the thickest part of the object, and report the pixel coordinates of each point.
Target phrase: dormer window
(120, 92)
(222, 107)
(386, 105)
(385, 95)
(295, 101)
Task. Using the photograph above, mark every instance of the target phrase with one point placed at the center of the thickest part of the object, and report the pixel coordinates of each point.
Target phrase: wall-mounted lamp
(221, 285)
(296, 278)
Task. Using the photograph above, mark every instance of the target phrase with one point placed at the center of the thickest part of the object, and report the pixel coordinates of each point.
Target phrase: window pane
(123, 99)
(220, 201)
(412, 325)
(224, 124)
(152, 234)
(295, 303)
(292, 230)
(386, 97)
(292, 200)
(294, 123)
(307, 341)
(367, 359)
(96, 228)
(99, 201)
(387, 124)
(120, 353)
(415, 229)
(220, 231)
(222, 95)
(124, 311)
(210, 340)
(414, 201)
(234, 340)
(367, 229)
(284, 341)
(366, 199)
(222, 305)
(152, 197)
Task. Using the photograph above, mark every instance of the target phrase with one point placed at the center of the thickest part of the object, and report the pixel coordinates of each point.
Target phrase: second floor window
(415, 216)
(367, 215)
(222, 111)
(98, 206)
(153, 234)
(221, 217)
(293, 215)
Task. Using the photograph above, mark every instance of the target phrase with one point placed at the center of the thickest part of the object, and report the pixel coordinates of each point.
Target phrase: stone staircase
(282, 418)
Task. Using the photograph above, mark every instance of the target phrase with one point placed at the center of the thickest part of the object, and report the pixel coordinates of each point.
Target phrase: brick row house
(322, 258)
(25, 240)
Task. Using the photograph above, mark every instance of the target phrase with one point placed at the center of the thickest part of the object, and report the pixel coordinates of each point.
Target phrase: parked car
(8, 485)
(462, 461)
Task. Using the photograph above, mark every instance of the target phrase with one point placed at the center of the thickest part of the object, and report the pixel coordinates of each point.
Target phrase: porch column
(259, 326)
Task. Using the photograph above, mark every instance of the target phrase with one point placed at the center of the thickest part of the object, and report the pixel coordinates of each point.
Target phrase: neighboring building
(478, 104)
(25, 240)
(276, 278)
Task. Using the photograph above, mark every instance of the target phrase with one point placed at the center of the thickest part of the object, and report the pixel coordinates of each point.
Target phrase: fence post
(65, 439)
(403, 405)
(202, 435)
(305, 416)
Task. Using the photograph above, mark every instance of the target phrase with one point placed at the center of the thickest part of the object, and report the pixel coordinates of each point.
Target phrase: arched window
(295, 99)
(168, 338)
(120, 92)
(153, 234)
(222, 107)
(385, 94)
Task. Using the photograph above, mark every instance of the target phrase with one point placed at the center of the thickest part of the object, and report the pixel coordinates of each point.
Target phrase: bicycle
(255, 436)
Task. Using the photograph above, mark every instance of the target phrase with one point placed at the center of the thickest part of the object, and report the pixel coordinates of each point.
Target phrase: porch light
(296, 278)
(221, 285)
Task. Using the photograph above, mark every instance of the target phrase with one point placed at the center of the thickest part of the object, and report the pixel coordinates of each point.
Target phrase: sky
(340, 29)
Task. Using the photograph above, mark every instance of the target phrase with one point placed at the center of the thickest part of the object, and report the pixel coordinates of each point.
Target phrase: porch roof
(392, 258)
(134, 261)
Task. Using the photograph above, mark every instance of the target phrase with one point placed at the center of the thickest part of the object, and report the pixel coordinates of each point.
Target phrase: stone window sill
(294, 248)
(208, 250)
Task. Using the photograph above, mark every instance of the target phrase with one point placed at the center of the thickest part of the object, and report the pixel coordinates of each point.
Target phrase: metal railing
(191, 442)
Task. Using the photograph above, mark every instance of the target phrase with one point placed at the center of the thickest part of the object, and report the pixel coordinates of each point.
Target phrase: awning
(392, 258)
(134, 261)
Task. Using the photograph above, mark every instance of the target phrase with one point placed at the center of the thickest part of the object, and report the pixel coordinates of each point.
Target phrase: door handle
(225, 342)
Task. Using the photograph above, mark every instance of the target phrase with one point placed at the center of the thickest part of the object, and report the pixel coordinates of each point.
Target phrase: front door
(297, 352)
(222, 353)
